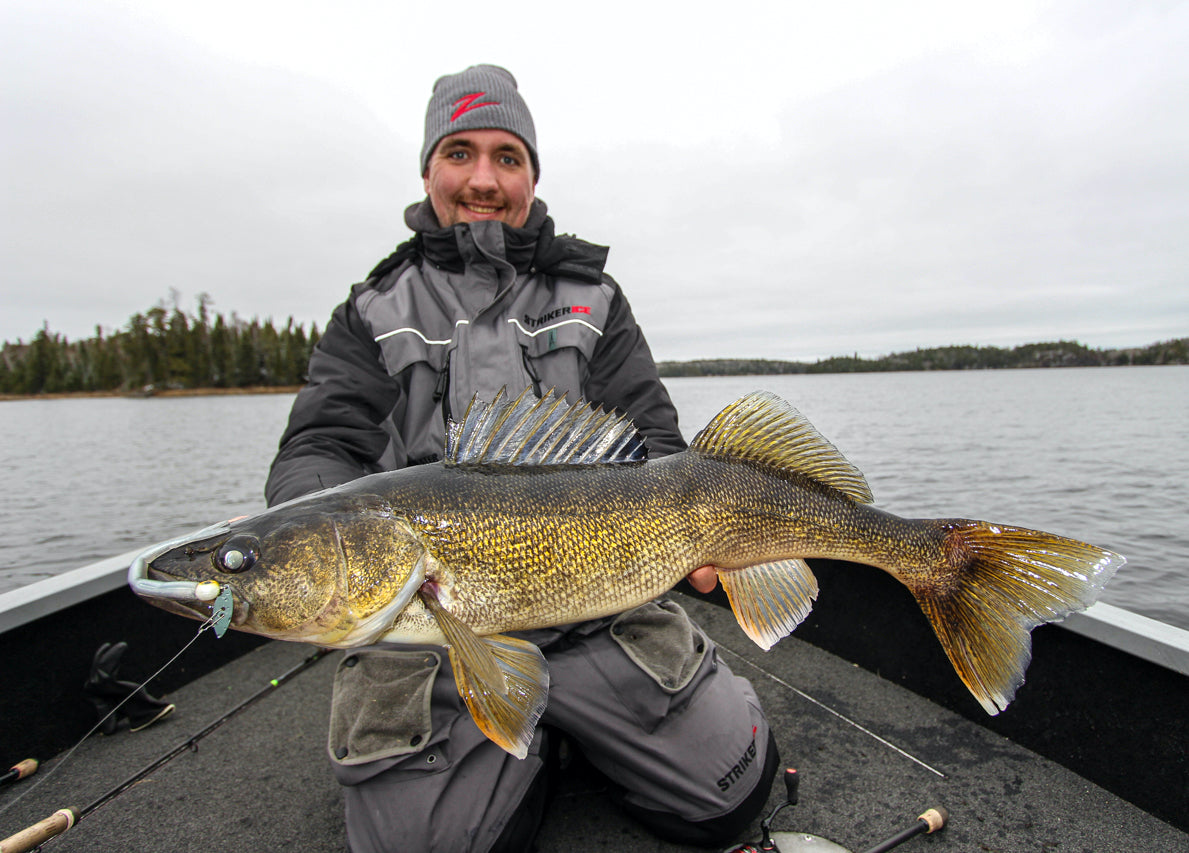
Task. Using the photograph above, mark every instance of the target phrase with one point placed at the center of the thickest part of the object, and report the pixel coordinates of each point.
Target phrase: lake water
(1100, 454)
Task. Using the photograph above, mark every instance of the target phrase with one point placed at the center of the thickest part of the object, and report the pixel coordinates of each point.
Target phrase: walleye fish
(544, 513)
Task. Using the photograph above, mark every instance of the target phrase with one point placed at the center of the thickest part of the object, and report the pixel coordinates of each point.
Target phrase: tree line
(162, 348)
(168, 348)
(1054, 354)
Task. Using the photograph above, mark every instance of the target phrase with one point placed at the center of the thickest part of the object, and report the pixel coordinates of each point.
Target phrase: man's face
(476, 175)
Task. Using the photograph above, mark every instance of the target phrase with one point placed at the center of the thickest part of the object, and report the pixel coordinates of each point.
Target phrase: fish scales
(545, 513)
(524, 549)
(553, 546)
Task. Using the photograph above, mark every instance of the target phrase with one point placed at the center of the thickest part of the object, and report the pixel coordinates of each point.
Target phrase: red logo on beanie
(467, 103)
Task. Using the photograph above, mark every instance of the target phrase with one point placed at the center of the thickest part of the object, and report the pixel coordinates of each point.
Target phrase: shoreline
(666, 370)
(149, 395)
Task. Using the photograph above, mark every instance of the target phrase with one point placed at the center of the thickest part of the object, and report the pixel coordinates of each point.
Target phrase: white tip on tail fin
(771, 599)
(763, 428)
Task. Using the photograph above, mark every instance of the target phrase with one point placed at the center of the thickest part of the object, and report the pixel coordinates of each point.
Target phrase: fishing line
(830, 710)
(66, 758)
(191, 743)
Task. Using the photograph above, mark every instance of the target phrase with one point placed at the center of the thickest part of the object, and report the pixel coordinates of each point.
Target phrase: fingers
(703, 578)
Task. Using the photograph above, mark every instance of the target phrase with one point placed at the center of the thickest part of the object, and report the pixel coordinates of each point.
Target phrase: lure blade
(221, 612)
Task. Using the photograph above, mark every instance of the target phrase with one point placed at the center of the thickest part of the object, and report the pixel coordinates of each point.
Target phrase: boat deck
(872, 756)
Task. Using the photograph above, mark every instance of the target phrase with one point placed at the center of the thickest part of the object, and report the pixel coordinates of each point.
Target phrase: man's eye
(456, 155)
(509, 160)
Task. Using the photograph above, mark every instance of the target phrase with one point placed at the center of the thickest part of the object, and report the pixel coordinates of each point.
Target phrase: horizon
(309, 328)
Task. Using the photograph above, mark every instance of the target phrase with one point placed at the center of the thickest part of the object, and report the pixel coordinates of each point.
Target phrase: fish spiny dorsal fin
(763, 428)
(529, 431)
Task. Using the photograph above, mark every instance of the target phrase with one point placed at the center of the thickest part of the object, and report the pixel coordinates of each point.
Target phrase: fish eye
(238, 554)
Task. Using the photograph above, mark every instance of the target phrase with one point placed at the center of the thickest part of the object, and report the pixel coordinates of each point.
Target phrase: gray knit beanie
(480, 98)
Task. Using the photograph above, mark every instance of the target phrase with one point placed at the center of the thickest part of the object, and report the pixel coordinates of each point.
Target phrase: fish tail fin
(769, 600)
(998, 583)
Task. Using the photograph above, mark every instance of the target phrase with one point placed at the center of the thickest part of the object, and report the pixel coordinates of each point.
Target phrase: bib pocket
(381, 704)
(667, 658)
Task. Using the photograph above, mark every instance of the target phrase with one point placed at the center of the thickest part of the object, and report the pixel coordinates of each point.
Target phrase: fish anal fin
(770, 599)
(764, 429)
(503, 681)
(1003, 582)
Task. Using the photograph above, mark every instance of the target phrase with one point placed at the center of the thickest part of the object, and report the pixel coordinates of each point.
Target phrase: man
(486, 296)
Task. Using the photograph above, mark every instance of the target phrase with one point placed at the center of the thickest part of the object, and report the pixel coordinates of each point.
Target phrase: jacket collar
(533, 248)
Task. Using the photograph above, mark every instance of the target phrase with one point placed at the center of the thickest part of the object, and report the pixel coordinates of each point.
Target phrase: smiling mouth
(481, 209)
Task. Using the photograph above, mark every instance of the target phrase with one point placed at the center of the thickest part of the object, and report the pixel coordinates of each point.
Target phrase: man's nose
(483, 176)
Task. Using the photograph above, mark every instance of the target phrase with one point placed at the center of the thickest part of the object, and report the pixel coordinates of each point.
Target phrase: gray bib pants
(644, 696)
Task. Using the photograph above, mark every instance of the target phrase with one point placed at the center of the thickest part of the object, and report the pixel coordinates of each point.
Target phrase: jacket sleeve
(624, 375)
(335, 431)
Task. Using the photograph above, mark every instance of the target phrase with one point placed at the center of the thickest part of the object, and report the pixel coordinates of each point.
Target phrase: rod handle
(19, 771)
(25, 768)
(40, 832)
(792, 780)
(931, 821)
(935, 818)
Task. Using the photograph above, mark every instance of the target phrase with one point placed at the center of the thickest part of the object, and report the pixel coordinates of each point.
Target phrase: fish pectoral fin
(770, 599)
(508, 711)
(504, 681)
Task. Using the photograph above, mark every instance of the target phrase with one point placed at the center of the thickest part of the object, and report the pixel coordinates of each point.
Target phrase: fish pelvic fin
(546, 431)
(765, 429)
(503, 681)
(770, 599)
(1002, 582)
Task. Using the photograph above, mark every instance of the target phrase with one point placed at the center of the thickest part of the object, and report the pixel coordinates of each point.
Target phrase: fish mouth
(186, 597)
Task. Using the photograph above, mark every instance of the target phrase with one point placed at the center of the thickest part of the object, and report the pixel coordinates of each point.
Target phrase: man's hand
(703, 578)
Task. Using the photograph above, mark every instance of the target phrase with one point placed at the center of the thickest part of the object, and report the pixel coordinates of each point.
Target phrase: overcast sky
(787, 180)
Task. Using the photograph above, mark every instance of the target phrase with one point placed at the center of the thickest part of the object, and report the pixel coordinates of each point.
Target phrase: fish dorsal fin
(763, 428)
(546, 431)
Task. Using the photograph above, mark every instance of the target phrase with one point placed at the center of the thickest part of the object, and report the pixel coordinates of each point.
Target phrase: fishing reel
(800, 842)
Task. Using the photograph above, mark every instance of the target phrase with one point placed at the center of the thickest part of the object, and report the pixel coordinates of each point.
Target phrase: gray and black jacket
(456, 312)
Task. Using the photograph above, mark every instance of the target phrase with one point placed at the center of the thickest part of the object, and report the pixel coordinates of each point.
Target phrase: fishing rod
(43, 830)
(19, 771)
(192, 742)
(63, 819)
(40, 832)
(931, 821)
